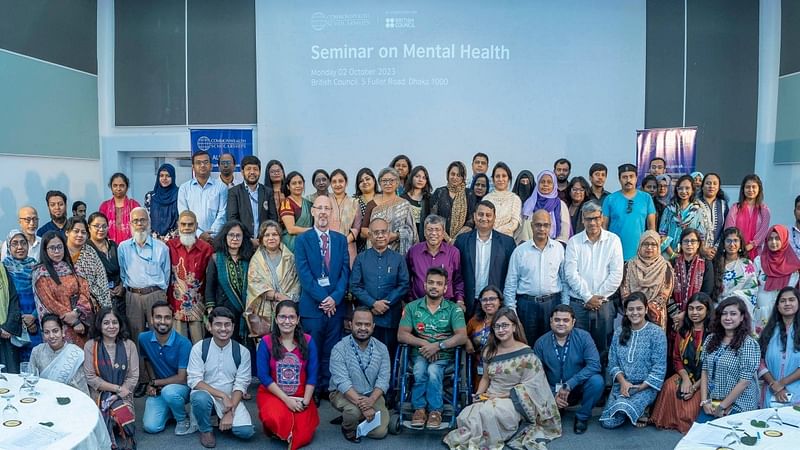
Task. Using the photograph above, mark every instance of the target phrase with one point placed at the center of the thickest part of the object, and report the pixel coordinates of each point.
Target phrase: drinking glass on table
(25, 373)
(33, 378)
(9, 411)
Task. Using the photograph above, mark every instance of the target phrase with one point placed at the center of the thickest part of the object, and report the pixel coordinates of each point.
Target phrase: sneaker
(434, 420)
(418, 419)
(184, 427)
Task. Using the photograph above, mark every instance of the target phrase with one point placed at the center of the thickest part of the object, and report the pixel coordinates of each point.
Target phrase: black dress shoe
(351, 436)
(140, 390)
(580, 426)
(337, 420)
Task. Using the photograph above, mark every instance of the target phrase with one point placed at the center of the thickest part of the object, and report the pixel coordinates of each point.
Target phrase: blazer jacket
(502, 248)
(308, 257)
(239, 205)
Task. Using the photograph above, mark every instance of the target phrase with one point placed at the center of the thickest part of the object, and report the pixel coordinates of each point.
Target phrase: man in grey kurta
(360, 377)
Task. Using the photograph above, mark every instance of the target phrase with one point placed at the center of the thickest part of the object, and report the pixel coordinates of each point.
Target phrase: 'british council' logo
(204, 143)
(319, 21)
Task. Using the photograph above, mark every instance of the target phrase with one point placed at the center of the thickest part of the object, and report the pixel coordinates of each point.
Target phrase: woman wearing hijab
(777, 267)
(649, 273)
(19, 267)
(524, 185)
(545, 197)
(480, 186)
(162, 203)
(10, 323)
(664, 190)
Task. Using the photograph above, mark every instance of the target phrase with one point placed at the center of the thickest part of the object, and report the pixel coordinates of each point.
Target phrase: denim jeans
(203, 407)
(171, 402)
(427, 389)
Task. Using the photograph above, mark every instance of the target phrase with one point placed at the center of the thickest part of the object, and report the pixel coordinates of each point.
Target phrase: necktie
(326, 254)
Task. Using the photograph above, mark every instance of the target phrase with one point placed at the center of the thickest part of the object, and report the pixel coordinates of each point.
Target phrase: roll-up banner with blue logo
(675, 145)
(216, 142)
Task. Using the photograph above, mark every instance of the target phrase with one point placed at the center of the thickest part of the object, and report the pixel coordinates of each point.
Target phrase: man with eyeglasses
(360, 373)
(535, 283)
(379, 281)
(251, 202)
(571, 364)
(205, 196)
(57, 206)
(593, 268)
(629, 212)
(485, 254)
(144, 268)
(323, 266)
(28, 220)
(227, 174)
(436, 252)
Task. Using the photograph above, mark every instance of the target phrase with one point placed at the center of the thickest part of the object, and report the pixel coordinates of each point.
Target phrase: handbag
(259, 317)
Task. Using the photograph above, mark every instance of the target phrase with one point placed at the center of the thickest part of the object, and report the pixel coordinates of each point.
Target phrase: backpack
(237, 352)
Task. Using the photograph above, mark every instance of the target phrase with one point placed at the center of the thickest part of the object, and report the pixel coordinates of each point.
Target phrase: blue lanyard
(563, 358)
(358, 355)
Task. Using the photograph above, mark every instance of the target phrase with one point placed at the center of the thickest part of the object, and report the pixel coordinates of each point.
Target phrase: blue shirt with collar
(165, 359)
(144, 266)
(581, 363)
(209, 203)
(380, 276)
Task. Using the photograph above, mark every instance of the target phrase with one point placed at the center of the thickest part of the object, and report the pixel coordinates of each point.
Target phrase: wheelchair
(457, 389)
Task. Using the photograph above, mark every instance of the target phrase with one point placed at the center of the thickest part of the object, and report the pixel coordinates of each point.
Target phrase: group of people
(183, 299)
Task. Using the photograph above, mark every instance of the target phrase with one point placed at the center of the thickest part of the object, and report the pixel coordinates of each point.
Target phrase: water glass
(33, 378)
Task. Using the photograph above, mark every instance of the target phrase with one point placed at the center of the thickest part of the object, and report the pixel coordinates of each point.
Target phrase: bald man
(323, 265)
(535, 283)
(28, 220)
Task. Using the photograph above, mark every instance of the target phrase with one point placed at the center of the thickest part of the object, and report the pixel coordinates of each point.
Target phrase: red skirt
(296, 428)
(672, 413)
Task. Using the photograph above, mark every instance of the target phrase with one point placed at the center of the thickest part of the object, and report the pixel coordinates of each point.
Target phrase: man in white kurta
(218, 381)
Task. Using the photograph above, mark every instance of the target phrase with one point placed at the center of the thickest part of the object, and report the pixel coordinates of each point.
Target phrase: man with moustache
(562, 168)
(436, 252)
(144, 268)
(360, 377)
(379, 281)
(629, 212)
(57, 206)
(166, 356)
(571, 364)
(227, 167)
(189, 257)
(433, 327)
(535, 283)
(597, 178)
(323, 266)
(485, 254)
(28, 220)
(251, 202)
(218, 375)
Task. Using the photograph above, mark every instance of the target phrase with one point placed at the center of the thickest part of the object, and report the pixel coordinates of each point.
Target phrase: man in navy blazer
(323, 265)
(479, 269)
(251, 202)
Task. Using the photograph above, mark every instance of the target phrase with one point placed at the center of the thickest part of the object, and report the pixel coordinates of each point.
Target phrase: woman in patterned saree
(295, 211)
(513, 402)
(394, 210)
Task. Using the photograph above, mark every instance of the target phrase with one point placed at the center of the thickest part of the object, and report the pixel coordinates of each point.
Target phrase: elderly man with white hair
(144, 268)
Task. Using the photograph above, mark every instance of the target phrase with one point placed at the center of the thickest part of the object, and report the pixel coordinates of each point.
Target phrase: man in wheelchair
(432, 327)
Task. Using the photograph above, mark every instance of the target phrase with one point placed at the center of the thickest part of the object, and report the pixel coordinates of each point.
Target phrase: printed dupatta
(116, 414)
(233, 280)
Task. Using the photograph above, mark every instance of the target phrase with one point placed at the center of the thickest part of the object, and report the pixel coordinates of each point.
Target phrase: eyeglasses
(690, 242)
(55, 248)
(100, 227)
(226, 163)
(592, 219)
(490, 298)
(502, 326)
(732, 241)
(29, 219)
(541, 225)
(275, 171)
(202, 163)
(235, 236)
(323, 208)
(650, 244)
(285, 318)
(630, 207)
(577, 190)
(139, 221)
(379, 232)
(18, 244)
(386, 181)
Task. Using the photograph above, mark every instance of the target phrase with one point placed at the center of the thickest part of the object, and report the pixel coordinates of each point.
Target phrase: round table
(712, 434)
(76, 425)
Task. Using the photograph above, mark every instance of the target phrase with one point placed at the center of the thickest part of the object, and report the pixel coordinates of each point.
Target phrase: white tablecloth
(707, 436)
(79, 423)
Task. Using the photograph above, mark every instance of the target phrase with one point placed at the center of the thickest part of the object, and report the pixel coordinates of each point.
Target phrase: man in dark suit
(323, 265)
(484, 255)
(251, 202)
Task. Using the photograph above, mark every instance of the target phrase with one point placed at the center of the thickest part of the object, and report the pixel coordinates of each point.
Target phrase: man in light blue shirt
(204, 196)
(629, 212)
(144, 268)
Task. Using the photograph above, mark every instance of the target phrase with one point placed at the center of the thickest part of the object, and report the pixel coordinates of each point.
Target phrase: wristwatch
(441, 345)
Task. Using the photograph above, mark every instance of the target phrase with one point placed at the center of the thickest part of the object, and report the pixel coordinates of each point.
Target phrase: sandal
(643, 421)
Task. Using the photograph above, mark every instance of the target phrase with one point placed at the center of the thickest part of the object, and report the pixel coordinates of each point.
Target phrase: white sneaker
(185, 427)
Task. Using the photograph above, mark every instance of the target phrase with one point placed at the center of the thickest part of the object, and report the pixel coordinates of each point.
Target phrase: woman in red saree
(287, 368)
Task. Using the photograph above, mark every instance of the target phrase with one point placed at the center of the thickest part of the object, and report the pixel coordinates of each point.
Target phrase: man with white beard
(189, 257)
(144, 269)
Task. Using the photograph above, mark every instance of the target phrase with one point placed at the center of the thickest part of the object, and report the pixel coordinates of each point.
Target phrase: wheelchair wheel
(395, 427)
